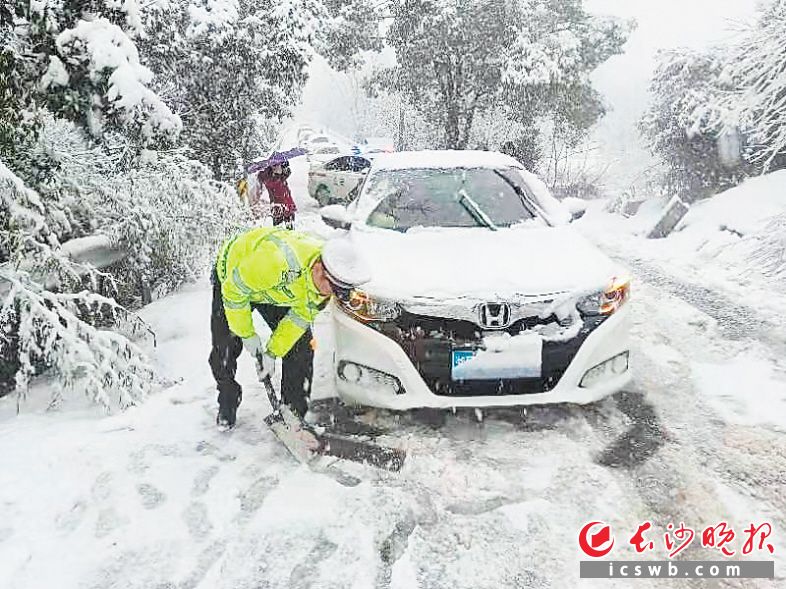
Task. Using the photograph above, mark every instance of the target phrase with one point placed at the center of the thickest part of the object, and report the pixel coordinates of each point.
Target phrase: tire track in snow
(735, 320)
(683, 481)
(739, 325)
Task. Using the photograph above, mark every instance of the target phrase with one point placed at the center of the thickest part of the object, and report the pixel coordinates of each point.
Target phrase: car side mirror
(335, 216)
(576, 215)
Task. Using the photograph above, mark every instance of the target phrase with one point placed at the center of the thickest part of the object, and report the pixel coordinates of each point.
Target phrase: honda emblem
(494, 315)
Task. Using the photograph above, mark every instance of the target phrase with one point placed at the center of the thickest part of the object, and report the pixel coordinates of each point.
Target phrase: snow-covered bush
(55, 330)
(171, 216)
(163, 207)
(41, 328)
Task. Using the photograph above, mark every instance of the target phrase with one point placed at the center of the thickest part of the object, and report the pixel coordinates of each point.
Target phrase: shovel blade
(391, 459)
(295, 442)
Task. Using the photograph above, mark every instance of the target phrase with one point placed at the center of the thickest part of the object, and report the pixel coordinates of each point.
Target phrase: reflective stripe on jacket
(272, 266)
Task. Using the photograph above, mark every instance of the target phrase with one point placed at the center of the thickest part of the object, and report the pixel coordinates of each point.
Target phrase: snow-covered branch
(44, 329)
(53, 331)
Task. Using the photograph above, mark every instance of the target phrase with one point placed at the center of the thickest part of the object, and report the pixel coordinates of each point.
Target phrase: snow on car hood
(479, 264)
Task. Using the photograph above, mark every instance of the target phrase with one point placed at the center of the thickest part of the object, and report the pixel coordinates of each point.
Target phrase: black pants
(297, 364)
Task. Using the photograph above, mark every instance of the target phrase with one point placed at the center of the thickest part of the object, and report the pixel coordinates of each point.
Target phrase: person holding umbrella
(273, 174)
(274, 179)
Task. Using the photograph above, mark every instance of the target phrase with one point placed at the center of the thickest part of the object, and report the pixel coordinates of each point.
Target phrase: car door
(317, 176)
(337, 175)
(326, 177)
(357, 168)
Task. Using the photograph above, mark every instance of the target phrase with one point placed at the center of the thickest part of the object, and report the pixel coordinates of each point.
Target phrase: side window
(338, 164)
(358, 164)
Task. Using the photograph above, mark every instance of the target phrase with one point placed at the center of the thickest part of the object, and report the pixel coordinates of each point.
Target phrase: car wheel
(322, 195)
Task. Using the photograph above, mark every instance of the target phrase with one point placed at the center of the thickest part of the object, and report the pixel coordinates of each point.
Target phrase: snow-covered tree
(347, 29)
(224, 65)
(756, 103)
(458, 58)
(78, 59)
(385, 114)
(680, 129)
(733, 96)
(44, 327)
(166, 211)
(77, 112)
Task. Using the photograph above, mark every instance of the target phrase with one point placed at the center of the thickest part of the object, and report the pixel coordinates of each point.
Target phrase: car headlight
(365, 307)
(607, 301)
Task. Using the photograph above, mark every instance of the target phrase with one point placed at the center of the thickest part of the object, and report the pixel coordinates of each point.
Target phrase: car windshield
(455, 197)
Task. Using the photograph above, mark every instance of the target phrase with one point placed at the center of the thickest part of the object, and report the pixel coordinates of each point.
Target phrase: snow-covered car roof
(402, 160)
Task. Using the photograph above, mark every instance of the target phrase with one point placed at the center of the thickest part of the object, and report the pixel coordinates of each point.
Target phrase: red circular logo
(598, 543)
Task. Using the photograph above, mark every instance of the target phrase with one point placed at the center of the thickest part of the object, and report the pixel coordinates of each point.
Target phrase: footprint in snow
(150, 496)
(306, 574)
(252, 498)
(202, 481)
(102, 487)
(108, 521)
(197, 521)
(68, 521)
(208, 449)
(139, 461)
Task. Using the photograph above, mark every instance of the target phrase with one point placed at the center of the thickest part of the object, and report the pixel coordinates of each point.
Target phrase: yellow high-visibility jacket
(273, 266)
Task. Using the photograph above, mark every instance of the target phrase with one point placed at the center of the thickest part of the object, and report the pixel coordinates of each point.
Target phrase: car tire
(322, 196)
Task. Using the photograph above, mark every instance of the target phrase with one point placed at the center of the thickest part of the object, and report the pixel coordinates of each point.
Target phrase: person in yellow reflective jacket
(288, 277)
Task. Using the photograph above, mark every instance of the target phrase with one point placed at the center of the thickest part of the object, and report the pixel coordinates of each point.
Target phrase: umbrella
(277, 157)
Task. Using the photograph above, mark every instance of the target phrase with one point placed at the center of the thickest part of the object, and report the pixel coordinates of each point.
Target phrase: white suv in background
(333, 181)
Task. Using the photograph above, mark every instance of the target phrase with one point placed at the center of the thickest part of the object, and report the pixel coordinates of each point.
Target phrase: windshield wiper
(531, 207)
(466, 201)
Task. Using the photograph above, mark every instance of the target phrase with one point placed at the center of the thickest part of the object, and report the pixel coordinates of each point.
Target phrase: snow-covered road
(156, 497)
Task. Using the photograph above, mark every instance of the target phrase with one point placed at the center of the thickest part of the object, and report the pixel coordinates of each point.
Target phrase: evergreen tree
(458, 58)
(718, 116)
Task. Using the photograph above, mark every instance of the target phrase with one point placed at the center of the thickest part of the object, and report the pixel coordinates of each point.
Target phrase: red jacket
(278, 189)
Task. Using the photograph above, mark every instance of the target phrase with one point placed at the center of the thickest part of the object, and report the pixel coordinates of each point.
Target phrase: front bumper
(397, 384)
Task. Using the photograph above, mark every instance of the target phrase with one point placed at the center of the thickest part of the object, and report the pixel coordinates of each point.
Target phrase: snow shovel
(306, 444)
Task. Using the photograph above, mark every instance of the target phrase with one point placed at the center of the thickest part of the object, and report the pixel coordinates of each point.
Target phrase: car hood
(480, 264)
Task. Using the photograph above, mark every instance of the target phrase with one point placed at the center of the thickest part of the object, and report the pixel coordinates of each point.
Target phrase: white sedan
(482, 293)
(334, 180)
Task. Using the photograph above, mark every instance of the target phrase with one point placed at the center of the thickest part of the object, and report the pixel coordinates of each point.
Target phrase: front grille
(430, 341)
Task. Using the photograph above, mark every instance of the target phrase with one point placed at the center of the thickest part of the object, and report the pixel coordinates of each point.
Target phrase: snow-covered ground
(734, 242)
(156, 497)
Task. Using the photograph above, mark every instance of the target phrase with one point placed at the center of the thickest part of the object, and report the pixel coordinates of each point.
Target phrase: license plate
(522, 359)
(458, 357)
